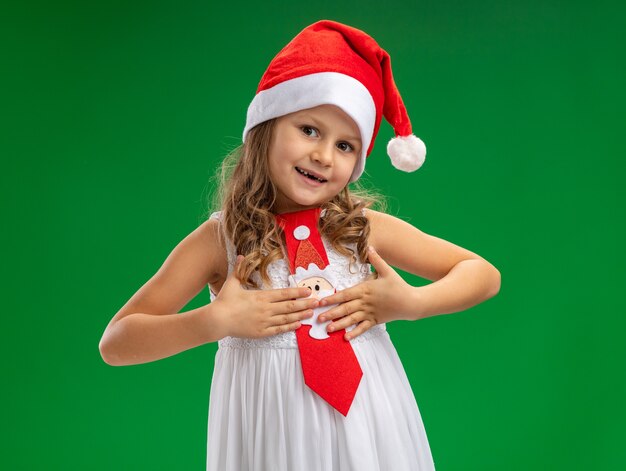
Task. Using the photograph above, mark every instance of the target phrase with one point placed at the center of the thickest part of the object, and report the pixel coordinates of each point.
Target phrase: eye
(349, 145)
(317, 287)
(304, 128)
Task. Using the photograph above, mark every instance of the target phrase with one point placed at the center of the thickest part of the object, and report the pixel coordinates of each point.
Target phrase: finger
(291, 318)
(339, 297)
(341, 310)
(347, 321)
(233, 273)
(239, 260)
(283, 294)
(361, 328)
(381, 267)
(294, 305)
(282, 328)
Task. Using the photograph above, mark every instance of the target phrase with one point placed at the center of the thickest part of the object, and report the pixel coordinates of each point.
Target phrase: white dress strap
(231, 254)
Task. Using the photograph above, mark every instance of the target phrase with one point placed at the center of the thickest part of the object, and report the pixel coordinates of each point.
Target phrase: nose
(323, 154)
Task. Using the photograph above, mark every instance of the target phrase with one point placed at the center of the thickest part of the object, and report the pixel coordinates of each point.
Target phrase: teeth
(309, 175)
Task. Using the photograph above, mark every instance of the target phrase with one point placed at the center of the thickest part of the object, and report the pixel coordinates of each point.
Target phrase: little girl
(306, 376)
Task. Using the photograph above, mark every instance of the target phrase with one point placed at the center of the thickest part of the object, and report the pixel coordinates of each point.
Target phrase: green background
(115, 115)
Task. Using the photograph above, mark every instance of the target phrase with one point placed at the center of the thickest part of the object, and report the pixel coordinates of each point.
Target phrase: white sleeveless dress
(263, 417)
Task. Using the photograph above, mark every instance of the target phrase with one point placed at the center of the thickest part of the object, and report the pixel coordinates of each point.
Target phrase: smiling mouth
(308, 175)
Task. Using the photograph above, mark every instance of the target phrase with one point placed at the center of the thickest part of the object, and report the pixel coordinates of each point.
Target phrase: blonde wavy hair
(246, 196)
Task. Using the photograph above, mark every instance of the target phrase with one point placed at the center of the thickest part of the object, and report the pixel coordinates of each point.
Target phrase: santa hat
(332, 63)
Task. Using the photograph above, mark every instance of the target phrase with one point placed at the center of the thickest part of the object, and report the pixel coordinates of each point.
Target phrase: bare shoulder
(406, 247)
(197, 260)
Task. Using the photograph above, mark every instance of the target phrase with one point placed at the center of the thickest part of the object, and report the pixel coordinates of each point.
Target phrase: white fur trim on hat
(407, 153)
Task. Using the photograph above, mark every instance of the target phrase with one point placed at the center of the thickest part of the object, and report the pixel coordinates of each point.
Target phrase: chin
(307, 201)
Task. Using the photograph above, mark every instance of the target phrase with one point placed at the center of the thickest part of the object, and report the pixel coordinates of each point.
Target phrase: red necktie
(329, 364)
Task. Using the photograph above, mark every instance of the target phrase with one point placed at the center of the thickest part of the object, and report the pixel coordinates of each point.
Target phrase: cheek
(346, 171)
(271, 169)
(276, 162)
(283, 156)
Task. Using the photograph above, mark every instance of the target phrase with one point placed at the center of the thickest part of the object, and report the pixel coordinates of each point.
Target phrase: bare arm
(148, 328)
(142, 338)
(469, 282)
(462, 279)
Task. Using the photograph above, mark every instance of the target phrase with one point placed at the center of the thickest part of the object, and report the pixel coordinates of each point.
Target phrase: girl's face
(322, 141)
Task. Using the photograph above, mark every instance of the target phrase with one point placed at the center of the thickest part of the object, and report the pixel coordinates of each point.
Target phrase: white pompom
(407, 153)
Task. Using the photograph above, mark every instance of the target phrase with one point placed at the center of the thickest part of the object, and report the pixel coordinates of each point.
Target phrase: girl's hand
(371, 302)
(261, 313)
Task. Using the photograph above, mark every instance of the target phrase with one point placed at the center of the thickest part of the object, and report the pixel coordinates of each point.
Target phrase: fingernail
(323, 302)
(322, 319)
(370, 248)
(331, 328)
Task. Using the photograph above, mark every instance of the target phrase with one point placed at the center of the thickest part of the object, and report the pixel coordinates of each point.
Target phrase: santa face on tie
(322, 285)
(319, 286)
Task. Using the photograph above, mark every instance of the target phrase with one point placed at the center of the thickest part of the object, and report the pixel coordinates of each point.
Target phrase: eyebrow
(311, 118)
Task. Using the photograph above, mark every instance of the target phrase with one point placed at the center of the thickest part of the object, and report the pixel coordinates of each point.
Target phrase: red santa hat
(332, 63)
